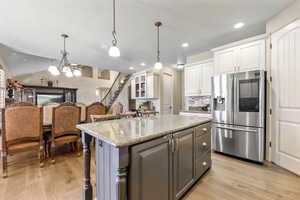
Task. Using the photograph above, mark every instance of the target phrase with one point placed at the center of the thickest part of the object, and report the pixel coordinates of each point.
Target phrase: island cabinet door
(183, 162)
(150, 170)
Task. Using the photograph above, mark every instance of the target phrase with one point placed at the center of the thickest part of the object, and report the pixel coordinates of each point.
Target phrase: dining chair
(22, 130)
(118, 109)
(96, 108)
(83, 111)
(65, 118)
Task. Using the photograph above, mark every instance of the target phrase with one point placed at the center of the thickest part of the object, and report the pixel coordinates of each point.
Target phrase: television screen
(43, 99)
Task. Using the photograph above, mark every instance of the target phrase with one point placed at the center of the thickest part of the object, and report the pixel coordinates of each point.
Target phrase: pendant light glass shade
(158, 65)
(77, 72)
(114, 51)
(69, 74)
(53, 70)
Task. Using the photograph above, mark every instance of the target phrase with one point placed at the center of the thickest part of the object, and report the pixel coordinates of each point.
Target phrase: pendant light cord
(114, 42)
(158, 51)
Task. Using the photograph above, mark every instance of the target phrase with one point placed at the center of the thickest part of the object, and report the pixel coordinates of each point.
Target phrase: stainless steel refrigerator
(238, 107)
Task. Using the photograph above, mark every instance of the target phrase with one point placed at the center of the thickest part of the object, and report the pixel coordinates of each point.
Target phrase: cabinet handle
(204, 144)
(176, 146)
(204, 163)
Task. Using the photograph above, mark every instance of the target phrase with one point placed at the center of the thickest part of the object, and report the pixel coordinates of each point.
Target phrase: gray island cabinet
(158, 157)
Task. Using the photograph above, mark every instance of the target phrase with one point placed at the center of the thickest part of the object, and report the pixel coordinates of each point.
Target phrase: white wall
(86, 86)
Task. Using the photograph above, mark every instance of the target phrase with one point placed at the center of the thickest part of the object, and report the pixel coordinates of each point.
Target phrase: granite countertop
(196, 111)
(126, 132)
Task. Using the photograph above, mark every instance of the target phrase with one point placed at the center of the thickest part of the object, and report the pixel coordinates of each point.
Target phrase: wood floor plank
(228, 179)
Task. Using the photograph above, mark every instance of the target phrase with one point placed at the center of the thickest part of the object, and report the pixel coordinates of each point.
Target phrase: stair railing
(114, 91)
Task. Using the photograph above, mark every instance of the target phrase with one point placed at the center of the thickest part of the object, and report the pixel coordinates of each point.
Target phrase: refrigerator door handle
(236, 129)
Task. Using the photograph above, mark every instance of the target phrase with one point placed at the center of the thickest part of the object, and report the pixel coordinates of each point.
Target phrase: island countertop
(127, 132)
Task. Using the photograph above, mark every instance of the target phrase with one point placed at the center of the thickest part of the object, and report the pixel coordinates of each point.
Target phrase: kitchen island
(157, 157)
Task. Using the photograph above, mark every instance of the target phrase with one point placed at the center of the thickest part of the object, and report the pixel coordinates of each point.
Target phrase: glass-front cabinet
(144, 85)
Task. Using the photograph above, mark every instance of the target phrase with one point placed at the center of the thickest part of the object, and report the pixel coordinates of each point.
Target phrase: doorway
(167, 94)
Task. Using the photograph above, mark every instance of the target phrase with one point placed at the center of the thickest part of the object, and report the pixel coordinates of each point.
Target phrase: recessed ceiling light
(143, 64)
(185, 45)
(239, 25)
(131, 68)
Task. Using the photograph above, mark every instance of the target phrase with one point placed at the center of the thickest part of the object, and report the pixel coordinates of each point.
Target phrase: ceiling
(33, 27)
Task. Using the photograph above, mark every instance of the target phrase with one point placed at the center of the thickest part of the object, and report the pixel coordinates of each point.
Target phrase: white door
(167, 94)
(286, 97)
(132, 84)
(192, 80)
(225, 61)
(251, 56)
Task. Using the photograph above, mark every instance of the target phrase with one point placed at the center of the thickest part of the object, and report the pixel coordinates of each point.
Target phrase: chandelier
(65, 67)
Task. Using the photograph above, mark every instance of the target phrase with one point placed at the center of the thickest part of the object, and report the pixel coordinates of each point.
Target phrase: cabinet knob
(204, 163)
(204, 144)
(204, 129)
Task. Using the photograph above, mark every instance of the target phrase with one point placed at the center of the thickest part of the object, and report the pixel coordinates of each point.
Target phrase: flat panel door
(207, 72)
(251, 56)
(285, 97)
(132, 83)
(150, 171)
(167, 101)
(193, 81)
(225, 61)
(184, 162)
(150, 86)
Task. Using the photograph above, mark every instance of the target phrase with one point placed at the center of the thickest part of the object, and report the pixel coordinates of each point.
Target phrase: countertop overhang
(127, 132)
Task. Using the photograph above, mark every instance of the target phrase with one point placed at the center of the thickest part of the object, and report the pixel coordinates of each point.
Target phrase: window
(86, 71)
(104, 74)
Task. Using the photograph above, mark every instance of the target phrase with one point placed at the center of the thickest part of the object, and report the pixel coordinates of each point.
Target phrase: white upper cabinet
(207, 73)
(225, 60)
(144, 85)
(240, 56)
(198, 78)
(192, 80)
(251, 56)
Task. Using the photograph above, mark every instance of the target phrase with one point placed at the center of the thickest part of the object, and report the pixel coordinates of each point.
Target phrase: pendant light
(158, 65)
(114, 50)
(64, 66)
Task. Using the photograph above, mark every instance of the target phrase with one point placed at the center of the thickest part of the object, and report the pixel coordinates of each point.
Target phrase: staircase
(115, 90)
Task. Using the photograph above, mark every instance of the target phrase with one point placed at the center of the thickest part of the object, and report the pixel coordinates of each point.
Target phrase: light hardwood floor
(229, 179)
